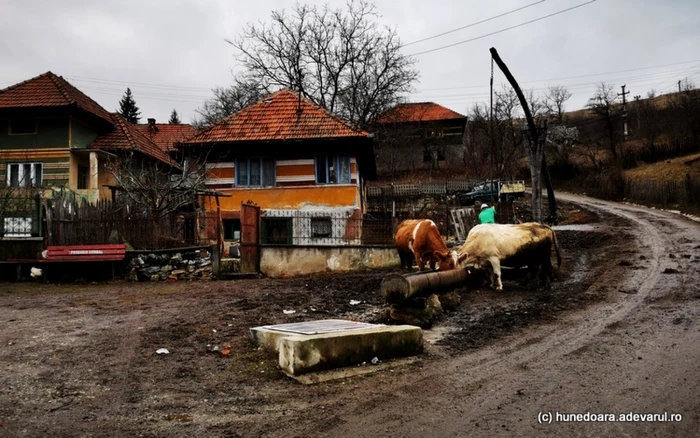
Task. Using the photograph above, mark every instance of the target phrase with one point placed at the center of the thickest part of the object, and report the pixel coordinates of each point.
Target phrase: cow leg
(420, 261)
(496, 272)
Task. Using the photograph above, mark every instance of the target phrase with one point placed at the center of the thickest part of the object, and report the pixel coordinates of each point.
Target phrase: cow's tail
(556, 248)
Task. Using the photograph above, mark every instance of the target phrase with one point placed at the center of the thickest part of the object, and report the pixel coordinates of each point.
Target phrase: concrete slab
(326, 344)
(354, 371)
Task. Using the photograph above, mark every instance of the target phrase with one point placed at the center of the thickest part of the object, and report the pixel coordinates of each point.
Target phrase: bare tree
(495, 145)
(227, 101)
(339, 58)
(156, 187)
(538, 106)
(554, 100)
(604, 105)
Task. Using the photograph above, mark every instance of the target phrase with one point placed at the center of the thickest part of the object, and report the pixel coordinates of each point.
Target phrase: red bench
(86, 253)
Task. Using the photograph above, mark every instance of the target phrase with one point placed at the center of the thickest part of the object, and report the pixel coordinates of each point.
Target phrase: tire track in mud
(462, 376)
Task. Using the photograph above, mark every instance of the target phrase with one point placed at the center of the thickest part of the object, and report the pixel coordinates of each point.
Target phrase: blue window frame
(333, 169)
(255, 172)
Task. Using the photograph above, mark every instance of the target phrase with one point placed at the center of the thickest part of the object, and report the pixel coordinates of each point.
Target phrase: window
(276, 230)
(232, 229)
(255, 172)
(24, 174)
(17, 227)
(321, 227)
(82, 177)
(333, 169)
(22, 126)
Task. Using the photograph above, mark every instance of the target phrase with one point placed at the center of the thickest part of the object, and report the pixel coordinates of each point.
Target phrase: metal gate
(250, 238)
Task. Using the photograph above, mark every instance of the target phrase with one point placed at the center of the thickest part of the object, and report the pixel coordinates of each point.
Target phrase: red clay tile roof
(49, 90)
(274, 118)
(418, 112)
(128, 137)
(166, 135)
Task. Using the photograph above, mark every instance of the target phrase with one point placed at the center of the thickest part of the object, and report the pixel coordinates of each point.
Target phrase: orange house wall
(290, 197)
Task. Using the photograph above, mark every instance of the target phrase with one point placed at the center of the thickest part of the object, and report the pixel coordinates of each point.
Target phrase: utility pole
(624, 109)
(679, 86)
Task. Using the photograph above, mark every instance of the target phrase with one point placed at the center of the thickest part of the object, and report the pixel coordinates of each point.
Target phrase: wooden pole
(537, 149)
(397, 288)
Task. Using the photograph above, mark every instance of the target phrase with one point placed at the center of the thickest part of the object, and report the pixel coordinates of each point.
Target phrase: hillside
(674, 169)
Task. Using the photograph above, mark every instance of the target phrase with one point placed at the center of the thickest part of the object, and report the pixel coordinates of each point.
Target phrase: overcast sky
(171, 53)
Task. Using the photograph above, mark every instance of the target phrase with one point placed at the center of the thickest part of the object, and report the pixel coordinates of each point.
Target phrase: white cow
(488, 246)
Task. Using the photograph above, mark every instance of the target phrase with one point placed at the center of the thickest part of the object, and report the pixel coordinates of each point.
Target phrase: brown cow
(489, 246)
(420, 239)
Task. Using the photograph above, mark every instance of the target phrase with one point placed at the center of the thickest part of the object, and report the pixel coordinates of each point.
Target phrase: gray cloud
(171, 53)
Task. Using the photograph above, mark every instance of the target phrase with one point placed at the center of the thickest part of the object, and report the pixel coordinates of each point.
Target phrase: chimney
(152, 126)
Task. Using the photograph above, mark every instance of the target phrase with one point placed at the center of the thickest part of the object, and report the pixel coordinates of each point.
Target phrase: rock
(178, 272)
(166, 268)
(162, 351)
(176, 258)
(433, 302)
(450, 301)
(155, 277)
(375, 361)
(151, 270)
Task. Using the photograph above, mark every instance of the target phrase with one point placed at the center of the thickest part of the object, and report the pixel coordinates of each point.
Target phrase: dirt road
(639, 352)
(618, 334)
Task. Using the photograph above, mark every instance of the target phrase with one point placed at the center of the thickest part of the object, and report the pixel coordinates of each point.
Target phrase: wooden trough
(397, 288)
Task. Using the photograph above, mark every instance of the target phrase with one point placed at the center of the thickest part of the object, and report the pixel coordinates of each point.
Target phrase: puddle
(435, 334)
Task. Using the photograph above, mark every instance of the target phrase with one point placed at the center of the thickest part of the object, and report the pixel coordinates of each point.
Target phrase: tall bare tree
(227, 101)
(495, 145)
(554, 100)
(340, 58)
(604, 104)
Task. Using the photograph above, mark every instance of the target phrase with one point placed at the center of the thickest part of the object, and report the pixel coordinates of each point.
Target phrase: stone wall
(192, 264)
(277, 261)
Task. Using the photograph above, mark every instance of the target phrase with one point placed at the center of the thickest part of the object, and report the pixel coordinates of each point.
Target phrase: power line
(572, 77)
(504, 29)
(473, 24)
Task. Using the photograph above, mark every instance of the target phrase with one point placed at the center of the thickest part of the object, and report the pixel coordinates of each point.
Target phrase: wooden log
(397, 288)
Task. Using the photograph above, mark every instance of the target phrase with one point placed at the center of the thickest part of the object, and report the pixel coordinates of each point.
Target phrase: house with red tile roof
(52, 135)
(166, 135)
(416, 136)
(303, 166)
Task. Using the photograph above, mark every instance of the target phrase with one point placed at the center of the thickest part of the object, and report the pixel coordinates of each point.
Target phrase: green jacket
(487, 216)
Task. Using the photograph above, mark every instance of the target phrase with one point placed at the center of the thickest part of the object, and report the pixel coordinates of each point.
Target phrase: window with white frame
(333, 169)
(24, 174)
(255, 172)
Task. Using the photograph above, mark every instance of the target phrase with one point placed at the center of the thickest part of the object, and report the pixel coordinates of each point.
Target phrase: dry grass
(674, 169)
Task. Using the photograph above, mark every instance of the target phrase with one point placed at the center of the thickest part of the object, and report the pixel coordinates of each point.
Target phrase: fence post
(214, 250)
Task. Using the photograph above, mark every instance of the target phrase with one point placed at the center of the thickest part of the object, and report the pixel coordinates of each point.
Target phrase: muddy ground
(80, 360)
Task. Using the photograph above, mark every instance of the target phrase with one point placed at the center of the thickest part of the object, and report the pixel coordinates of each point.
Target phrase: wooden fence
(70, 222)
(421, 189)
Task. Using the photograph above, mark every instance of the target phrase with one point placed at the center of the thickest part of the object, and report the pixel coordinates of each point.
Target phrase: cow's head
(462, 258)
(445, 260)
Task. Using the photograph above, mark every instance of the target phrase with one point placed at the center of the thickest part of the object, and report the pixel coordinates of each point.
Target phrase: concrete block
(301, 353)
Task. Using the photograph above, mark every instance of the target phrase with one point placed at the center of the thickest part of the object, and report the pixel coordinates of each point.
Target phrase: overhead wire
(472, 24)
(503, 30)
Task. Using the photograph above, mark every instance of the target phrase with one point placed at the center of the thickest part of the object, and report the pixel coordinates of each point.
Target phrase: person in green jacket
(487, 215)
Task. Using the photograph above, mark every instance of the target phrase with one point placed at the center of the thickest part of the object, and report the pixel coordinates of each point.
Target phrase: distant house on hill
(416, 136)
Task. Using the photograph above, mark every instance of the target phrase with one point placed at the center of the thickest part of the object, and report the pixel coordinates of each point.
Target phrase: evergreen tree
(128, 108)
(174, 118)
